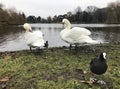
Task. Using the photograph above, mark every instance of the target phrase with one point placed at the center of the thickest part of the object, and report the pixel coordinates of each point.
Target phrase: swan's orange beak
(30, 30)
(62, 24)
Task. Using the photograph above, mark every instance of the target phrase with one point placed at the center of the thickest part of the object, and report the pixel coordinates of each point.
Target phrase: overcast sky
(45, 8)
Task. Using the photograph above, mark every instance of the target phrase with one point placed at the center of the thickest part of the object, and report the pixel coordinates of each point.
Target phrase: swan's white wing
(81, 31)
(73, 36)
(38, 38)
(39, 43)
(34, 38)
(38, 34)
(27, 36)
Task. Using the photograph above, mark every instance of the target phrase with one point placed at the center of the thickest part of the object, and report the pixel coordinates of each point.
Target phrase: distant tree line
(11, 16)
(92, 14)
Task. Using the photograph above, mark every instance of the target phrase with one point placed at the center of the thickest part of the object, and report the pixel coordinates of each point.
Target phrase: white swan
(34, 39)
(76, 35)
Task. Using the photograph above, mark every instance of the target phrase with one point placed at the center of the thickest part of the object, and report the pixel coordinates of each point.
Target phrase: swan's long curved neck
(68, 25)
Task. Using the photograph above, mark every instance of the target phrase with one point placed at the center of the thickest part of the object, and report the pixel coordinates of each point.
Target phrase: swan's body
(34, 39)
(76, 35)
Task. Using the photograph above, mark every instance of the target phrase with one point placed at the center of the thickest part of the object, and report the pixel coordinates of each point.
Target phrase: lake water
(12, 38)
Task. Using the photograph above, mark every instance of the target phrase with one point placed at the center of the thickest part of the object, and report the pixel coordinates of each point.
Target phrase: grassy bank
(57, 68)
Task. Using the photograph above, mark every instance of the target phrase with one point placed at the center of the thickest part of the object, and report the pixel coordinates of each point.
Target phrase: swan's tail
(96, 42)
(93, 42)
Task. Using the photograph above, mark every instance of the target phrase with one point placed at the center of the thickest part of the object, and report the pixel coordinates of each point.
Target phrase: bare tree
(1, 6)
(91, 9)
(77, 10)
(113, 12)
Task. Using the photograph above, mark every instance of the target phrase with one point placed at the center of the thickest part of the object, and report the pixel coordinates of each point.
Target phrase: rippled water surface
(12, 38)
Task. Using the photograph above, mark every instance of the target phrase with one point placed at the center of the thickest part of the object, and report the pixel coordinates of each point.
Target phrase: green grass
(56, 68)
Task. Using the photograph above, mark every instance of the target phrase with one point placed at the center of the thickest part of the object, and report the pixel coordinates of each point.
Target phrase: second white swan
(75, 35)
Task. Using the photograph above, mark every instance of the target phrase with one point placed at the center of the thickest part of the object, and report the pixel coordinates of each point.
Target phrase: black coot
(99, 65)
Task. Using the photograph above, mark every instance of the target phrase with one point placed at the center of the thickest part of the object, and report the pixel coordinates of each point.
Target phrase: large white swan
(76, 35)
(34, 39)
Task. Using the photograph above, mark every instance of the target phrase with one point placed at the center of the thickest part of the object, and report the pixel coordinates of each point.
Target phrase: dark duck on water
(99, 66)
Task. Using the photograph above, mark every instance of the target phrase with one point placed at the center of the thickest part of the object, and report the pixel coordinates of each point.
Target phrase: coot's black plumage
(99, 66)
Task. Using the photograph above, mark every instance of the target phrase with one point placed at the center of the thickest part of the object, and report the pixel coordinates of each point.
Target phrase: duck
(76, 35)
(99, 65)
(34, 39)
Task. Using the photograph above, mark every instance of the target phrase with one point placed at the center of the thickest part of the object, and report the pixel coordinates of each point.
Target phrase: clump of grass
(56, 68)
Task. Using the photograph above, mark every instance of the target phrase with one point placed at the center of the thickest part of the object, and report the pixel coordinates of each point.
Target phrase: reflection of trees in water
(10, 29)
(112, 34)
(11, 32)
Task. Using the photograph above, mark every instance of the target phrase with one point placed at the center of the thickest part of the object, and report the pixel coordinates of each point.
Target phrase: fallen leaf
(85, 72)
(5, 79)
(87, 82)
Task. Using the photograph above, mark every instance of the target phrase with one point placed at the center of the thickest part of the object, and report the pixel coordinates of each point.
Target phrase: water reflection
(110, 34)
(12, 38)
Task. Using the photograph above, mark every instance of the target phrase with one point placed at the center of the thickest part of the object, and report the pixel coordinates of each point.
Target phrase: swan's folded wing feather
(81, 31)
(76, 36)
(34, 39)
